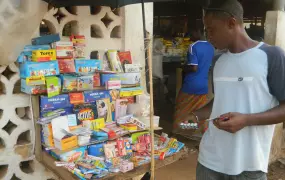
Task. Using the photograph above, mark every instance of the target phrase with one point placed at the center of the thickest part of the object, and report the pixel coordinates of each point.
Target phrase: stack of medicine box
(47, 135)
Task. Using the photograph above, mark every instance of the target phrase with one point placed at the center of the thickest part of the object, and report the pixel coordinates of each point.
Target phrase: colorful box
(72, 121)
(115, 84)
(26, 54)
(96, 80)
(47, 39)
(88, 66)
(69, 83)
(85, 83)
(130, 78)
(97, 124)
(70, 156)
(85, 112)
(76, 98)
(109, 77)
(64, 50)
(96, 150)
(133, 68)
(127, 92)
(29, 69)
(129, 127)
(66, 66)
(60, 101)
(35, 80)
(39, 89)
(126, 166)
(78, 40)
(43, 55)
(53, 86)
(66, 143)
(92, 96)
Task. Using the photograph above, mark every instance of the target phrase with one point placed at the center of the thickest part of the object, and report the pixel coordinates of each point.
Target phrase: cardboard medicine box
(66, 143)
(30, 69)
(43, 55)
(64, 50)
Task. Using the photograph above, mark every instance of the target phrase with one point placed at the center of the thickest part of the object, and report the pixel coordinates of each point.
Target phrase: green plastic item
(136, 135)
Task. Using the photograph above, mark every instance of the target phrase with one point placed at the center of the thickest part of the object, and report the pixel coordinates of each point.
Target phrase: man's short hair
(226, 9)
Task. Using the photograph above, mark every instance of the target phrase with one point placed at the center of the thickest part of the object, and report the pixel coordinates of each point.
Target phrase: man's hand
(231, 122)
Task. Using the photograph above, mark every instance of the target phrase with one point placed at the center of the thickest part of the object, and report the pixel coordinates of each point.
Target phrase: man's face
(218, 31)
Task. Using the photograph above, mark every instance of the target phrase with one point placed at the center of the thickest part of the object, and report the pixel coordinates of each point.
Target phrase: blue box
(96, 150)
(38, 89)
(109, 77)
(66, 111)
(56, 102)
(29, 69)
(88, 66)
(47, 39)
(26, 54)
(92, 96)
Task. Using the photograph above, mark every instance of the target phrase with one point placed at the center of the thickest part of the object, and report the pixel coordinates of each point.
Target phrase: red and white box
(126, 166)
(116, 84)
(64, 50)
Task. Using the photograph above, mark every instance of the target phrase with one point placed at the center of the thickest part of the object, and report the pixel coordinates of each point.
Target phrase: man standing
(249, 87)
(194, 91)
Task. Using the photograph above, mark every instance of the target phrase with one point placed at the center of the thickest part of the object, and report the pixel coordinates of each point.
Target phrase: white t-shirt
(249, 82)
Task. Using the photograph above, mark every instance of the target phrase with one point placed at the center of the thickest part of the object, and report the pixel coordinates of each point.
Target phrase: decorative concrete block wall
(104, 29)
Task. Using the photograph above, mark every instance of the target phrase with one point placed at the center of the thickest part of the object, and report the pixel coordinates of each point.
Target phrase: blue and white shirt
(200, 54)
(249, 82)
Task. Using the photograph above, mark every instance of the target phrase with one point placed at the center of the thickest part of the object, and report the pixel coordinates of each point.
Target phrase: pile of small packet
(122, 155)
(93, 112)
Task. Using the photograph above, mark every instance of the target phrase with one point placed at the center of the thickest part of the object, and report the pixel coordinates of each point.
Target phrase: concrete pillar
(274, 35)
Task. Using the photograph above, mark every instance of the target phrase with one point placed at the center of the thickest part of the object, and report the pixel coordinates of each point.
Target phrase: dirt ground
(186, 169)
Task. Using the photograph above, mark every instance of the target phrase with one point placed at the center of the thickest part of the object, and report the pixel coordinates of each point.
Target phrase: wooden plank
(36, 114)
(64, 174)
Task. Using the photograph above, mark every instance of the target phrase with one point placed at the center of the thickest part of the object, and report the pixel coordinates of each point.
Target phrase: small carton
(26, 54)
(43, 55)
(92, 96)
(78, 40)
(76, 98)
(109, 77)
(96, 150)
(126, 166)
(60, 101)
(133, 68)
(64, 50)
(85, 83)
(47, 39)
(115, 84)
(88, 66)
(29, 69)
(72, 121)
(69, 83)
(66, 66)
(129, 127)
(35, 80)
(97, 124)
(128, 92)
(53, 86)
(96, 80)
(131, 78)
(70, 156)
(66, 143)
(85, 112)
(38, 89)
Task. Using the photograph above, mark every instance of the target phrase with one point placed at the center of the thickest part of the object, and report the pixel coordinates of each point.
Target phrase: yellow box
(97, 124)
(43, 55)
(35, 80)
(48, 141)
(66, 143)
(129, 127)
(131, 93)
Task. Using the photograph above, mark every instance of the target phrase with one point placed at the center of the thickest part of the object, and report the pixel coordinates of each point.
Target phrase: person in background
(249, 88)
(194, 91)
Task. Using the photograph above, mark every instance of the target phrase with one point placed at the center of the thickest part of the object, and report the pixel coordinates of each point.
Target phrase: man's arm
(272, 116)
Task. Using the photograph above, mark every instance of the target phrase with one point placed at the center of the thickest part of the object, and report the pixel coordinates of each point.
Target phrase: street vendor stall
(92, 118)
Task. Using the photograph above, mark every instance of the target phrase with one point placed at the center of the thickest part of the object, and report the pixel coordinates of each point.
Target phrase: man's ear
(231, 22)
